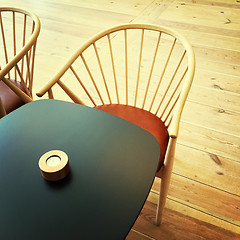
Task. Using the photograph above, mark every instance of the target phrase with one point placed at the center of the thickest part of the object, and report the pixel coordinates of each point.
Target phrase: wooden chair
(19, 30)
(139, 72)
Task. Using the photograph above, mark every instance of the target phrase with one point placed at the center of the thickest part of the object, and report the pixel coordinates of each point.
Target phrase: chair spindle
(24, 37)
(14, 41)
(113, 67)
(82, 85)
(126, 64)
(163, 72)
(151, 71)
(170, 83)
(50, 93)
(172, 96)
(90, 75)
(139, 67)
(4, 42)
(22, 80)
(102, 73)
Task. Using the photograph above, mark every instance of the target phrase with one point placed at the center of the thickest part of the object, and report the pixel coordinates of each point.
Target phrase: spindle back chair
(140, 69)
(19, 30)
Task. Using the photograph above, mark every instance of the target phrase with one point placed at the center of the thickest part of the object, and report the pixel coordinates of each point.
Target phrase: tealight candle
(54, 165)
(53, 161)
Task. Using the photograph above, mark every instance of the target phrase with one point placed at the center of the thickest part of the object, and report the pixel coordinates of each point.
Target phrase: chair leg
(2, 110)
(165, 179)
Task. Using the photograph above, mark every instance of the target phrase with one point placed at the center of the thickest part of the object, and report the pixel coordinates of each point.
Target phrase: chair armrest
(56, 78)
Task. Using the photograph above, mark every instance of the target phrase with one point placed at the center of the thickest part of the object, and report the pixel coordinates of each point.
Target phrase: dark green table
(113, 164)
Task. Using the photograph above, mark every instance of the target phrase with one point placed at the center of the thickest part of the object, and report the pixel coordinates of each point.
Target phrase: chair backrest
(146, 66)
(19, 30)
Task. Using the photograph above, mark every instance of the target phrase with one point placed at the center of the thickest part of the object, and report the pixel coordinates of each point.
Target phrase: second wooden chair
(19, 32)
(139, 72)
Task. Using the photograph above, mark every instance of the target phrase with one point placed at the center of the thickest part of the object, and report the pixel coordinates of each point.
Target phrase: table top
(112, 161)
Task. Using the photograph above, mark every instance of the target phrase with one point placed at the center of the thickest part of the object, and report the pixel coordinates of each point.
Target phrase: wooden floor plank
(215, 98)
(219, 67)
(219, 3)
(196, 28)
(211, 59)
(178, 226)
(225, 121)
(217, 55)
(133, 7)
(195, 212)
(193, 193)
(202, 15)
(211, 40)
(152, 11)
(216, 80)
(215, 142)
(207, 168)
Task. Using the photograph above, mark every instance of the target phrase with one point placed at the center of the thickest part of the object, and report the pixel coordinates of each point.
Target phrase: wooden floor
(204, 196)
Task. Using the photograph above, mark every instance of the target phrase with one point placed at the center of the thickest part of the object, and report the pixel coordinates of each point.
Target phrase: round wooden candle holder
(54, 165)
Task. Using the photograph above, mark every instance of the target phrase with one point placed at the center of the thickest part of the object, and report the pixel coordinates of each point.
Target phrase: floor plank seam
(208, 185)
(208, 152)
(202, 211)
(217, 90)
(140, 233)
(228, 111)
(209, 128)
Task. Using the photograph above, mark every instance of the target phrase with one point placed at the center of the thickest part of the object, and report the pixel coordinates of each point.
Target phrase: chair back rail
(141, 65)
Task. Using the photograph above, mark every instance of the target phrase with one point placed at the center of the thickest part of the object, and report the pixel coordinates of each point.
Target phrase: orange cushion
(143, 119)
(10, 99)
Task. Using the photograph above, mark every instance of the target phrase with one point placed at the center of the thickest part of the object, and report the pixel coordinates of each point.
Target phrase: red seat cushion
(10, 99)
(143, 119)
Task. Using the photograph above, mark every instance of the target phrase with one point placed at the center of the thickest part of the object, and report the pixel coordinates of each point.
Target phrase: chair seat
(10, 99)
(143, 119)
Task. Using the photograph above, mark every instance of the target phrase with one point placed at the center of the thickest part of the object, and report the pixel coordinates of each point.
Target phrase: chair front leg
(165, 180)
(2, 110)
